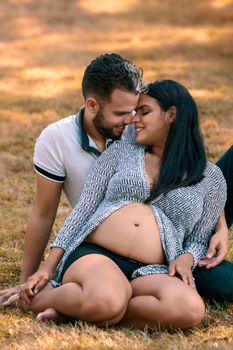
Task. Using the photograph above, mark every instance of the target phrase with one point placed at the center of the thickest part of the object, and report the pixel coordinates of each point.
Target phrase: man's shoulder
(60, 128)
(67, 122)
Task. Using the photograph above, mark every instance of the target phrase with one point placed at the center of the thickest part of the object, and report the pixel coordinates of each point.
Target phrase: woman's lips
(138, 129)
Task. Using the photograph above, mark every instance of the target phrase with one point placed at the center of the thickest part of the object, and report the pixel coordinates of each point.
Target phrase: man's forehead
(122, 92)
(122, 98)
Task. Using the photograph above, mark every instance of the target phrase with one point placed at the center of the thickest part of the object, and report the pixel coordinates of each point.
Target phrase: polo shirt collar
(87, 142)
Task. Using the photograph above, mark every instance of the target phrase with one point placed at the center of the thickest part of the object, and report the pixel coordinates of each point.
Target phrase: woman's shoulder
(211, 168)
(125, 144)
(213, 172)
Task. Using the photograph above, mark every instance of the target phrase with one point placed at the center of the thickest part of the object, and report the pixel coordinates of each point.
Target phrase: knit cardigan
(185, 216)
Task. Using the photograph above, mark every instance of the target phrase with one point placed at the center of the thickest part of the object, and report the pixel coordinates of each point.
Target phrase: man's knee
(215, 283)
(225, 163)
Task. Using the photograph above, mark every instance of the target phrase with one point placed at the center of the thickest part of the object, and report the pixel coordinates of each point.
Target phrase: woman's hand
(34, 284)
(182, 267)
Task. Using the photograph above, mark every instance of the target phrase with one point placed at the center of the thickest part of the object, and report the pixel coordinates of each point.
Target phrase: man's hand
(216, 252)
(218, 245)
(8, 297)
(182, 267)
(40, 279)
(34, 284)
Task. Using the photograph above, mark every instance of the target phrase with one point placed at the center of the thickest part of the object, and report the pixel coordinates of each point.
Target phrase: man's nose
(128, 119)
(135, 118)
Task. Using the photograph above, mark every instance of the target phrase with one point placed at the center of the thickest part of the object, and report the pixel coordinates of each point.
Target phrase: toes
(49, 314)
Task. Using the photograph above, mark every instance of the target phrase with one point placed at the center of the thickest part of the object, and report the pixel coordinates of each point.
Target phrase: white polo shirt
(64, 153)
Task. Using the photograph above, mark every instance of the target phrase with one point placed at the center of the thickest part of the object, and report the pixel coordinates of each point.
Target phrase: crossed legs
(163, 302)
(95, 290)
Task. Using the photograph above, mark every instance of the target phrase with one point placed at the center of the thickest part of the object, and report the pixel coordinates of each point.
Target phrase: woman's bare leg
(93, 289)
(163, 302)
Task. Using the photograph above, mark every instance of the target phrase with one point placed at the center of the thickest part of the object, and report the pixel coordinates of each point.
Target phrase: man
(222, 288)
(65, 151)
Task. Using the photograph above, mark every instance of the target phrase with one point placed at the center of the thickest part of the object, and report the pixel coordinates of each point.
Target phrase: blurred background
(45, 46)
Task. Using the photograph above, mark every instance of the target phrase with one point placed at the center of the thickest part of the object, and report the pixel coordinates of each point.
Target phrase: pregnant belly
(131, 231)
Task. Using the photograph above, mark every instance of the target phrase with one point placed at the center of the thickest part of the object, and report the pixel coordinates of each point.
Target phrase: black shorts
(127, 265)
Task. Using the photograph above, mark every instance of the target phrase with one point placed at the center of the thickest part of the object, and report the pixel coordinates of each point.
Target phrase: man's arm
(40, 223)
(218, 245)
(41, 277)
(38, 231)
(225, 163)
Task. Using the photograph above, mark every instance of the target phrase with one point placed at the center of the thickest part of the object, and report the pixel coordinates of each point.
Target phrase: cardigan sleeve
(197, 241)
(91, 197)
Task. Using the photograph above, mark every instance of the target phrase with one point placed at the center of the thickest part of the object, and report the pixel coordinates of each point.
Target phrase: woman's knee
(101, 306)
(191, 310)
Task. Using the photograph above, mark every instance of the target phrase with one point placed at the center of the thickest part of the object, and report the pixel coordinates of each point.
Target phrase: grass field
(44, 48)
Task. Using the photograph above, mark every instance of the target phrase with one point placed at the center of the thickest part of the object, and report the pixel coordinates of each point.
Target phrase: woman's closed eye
(145, 112)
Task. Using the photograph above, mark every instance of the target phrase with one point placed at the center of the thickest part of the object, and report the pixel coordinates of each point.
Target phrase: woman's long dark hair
(184, 157)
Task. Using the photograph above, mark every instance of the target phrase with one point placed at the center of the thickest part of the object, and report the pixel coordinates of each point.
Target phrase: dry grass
(44, 47)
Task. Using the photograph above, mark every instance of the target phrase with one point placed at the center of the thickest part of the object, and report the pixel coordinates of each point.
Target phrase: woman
(146, 214)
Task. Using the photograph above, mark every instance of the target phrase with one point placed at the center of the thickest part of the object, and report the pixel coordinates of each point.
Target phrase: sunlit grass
(106, 7)
(221, 3)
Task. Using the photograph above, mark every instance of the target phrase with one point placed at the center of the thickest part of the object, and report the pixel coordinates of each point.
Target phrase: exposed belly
(132, 232)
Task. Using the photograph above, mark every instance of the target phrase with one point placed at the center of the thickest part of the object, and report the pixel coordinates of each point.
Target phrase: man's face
(113, 116)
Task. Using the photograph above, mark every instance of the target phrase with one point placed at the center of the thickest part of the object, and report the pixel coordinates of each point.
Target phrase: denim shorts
(127, 265)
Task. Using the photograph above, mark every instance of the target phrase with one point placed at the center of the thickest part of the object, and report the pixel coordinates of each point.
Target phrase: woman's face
(152, 124)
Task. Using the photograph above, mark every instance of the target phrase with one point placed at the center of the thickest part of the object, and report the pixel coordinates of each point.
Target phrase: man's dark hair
(109, 72)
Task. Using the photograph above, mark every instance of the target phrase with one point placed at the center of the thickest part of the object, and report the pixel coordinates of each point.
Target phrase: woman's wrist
(188, 258)
(51, 262)
(221, 226)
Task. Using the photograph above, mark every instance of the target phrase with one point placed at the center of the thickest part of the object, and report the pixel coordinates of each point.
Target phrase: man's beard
(98, 121)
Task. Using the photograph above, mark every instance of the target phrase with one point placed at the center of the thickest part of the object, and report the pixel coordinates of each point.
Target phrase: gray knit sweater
(185, 216)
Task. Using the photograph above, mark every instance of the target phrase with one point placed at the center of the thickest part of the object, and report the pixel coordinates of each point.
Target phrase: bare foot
(50, 315)
(22, 306)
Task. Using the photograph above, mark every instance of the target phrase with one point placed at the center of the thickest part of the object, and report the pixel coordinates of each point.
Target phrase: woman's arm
(197, 241)
(91, 197)
(195, 245)
(218, 245)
